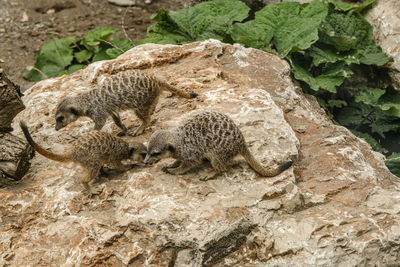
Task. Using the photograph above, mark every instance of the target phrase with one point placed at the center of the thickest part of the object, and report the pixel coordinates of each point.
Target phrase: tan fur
(92, 151)
(208, 135)
(130, 89)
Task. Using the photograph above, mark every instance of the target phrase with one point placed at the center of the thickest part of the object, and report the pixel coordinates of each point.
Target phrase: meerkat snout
(160, 146)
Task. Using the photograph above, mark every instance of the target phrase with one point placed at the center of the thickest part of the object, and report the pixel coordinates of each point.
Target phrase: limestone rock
(338, 205)
(384, 17)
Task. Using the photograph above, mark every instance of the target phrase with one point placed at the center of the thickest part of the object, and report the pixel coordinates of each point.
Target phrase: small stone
(122, 2)
(25, 17)
(51, 11)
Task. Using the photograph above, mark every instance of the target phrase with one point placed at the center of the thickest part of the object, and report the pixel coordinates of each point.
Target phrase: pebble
(122, 2)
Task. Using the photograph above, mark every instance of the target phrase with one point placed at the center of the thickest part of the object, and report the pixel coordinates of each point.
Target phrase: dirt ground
(26, 25)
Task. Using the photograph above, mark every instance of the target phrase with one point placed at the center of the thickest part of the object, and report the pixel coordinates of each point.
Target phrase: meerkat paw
(166, 169)
(209, 176)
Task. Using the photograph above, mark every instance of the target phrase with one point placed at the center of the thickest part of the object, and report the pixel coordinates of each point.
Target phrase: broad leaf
(119, 47)
(96, 36)
(393, 163)
(74, 68)
(345, 31)
(54, 56)
(323, 53)
(83, 55)
(349, 7)
(332, 75)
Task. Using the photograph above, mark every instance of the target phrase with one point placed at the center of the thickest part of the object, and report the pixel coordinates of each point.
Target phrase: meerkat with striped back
(92, 151)
(130, 89)
(208, 135)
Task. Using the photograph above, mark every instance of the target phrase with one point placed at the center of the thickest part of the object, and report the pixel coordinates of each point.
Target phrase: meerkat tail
(260, 169)
(41, 150)
(177, 91)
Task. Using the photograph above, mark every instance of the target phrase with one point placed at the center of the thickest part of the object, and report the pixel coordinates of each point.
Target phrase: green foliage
(370, 140)
(203, 21)
(53, 58)
(65, 56)
(393, 163)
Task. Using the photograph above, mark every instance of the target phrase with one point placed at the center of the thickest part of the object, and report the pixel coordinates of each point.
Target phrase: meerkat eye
(73, 111)
(155, 154)
(171, 149)
(131, 151)
(60, 119)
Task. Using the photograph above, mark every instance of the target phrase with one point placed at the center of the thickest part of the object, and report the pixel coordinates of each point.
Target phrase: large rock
(338, 205)
(384, 17)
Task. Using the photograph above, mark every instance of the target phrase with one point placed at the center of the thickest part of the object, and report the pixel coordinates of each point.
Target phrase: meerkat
(130, 89)
(208, 135)
(92, 151)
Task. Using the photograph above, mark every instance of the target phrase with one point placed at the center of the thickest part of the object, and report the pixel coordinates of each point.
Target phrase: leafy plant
(64, 56)
(200, 22)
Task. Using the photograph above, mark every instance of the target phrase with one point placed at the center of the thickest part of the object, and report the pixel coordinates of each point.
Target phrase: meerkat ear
(74, 111)
(171, 148)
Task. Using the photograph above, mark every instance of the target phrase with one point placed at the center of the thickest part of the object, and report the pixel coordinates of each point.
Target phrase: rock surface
(384, 17)
(338, 205)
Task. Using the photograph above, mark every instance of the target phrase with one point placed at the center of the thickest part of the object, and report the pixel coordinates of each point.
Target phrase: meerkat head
(137, 151)
(161, 145)
(68, 110)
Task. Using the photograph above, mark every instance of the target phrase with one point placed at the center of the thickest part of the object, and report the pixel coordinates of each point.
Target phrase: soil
(26, 25)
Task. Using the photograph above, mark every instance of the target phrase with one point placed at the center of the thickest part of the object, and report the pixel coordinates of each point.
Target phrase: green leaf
(83, 55)
(386, 100)
(345, 31)
(74, 68)
(393, 163)
(360, 115)
(323, 53)
(333, 74)
(348, 7)
(101, 55)
(293, 28)
(370, 97)
(370, 140)
(54, 56)
(96, 36)
(202, 21)
(371, 54)
(390, 102)
(335, 103)
(119, 47)
(252, 34)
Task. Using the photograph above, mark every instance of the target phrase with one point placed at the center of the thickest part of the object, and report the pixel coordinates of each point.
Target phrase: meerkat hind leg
(219, 166)
(145, 117)
(88, 178)
(116, 118)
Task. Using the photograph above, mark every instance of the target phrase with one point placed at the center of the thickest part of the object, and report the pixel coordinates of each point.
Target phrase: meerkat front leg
(174, 165)
(182, 169)
(118, 122)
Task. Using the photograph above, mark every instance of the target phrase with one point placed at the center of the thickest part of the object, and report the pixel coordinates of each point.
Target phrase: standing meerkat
(130, 89)
(208, 135)
(92, 151)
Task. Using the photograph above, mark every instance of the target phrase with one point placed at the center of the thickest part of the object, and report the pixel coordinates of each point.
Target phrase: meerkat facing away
(130, 89)
(208, 135)
(92, 151)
